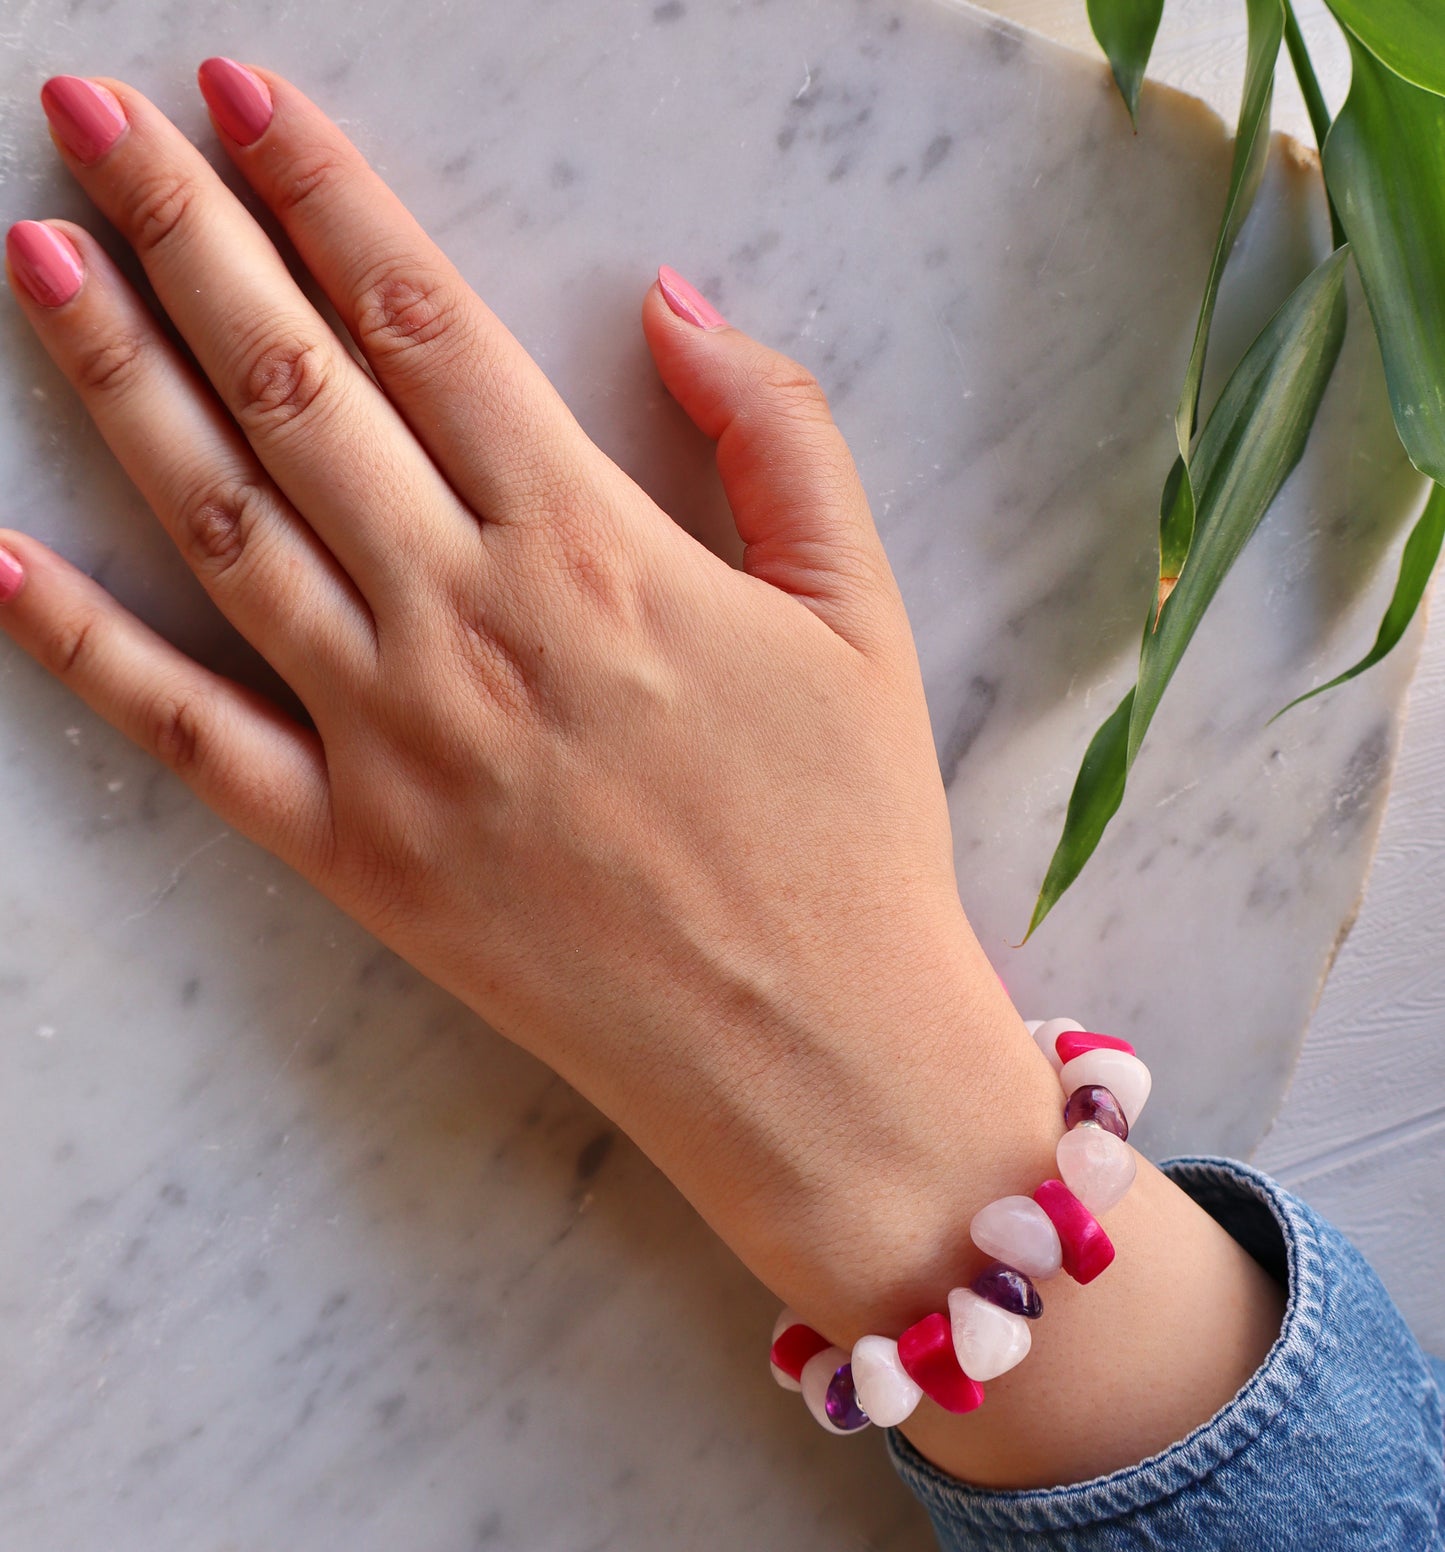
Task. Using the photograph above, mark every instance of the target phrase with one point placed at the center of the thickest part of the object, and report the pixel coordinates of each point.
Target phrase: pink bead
(926, 1352)
(1074, 1042)
(793, 1347)
(1087, 1249)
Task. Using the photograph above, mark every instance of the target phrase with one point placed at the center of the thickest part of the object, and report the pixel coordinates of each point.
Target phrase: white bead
(1096, 1166)
(817, 1373)
(1018, 1232)
(786, 1318)
(1048, 1032)
(1125, 1077)
(1032, 1024)
(987, 1340)
(883, 1387)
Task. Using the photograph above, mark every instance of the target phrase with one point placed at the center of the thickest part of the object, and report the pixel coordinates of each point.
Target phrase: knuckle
(497, 665)
(400, 309)
(67, 647)
(173, 731)
(216, 528)
(160, 205)
(786, 385)
(306, 181)
(109, 364)
(281, 380)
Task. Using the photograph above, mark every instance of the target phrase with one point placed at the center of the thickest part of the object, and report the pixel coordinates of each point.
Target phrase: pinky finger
(262, 772)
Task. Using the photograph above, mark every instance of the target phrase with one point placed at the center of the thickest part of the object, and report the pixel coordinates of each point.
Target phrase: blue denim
(1336, 1444)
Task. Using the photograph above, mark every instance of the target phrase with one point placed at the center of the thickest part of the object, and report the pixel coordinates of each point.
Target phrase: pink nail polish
(87, 119)
(12, 576)
(688, 302)
(44, 261)
(239, 100)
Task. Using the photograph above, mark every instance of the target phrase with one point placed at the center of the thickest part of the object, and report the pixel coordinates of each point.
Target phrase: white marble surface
(1361, 1129)
(293, 1251)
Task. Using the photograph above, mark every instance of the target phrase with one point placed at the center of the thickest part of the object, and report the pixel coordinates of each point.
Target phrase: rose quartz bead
(884, 1389)
(987, 1340)
(926, 1351)
(1087, 1249)
(1095, 1166)
(1047, 1033)
(793, 1345)
(1125, 1077)
(828, 1390)
(1074, 1042)
(1017, 1231)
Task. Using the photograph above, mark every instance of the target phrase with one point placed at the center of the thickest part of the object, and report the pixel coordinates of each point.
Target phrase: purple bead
(1095, 1103)
(1010, 1290)
(841, 1401)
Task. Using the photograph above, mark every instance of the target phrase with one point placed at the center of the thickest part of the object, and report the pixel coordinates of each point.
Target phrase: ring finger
(266, 569)
(328, 435)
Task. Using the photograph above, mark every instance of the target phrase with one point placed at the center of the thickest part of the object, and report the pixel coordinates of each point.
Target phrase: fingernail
(238, 99)
(12, 576)
(87, 119)
(44, 261)
(688, 302)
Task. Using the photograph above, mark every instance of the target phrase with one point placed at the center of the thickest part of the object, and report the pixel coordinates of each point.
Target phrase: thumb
(788, 475)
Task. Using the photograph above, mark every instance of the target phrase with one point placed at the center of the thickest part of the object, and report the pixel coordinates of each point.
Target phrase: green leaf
(1251, 148)
(1125, 30)
(1176, 528)
(1255, 436)
(1179, 504)
(1385, 165)
(1253, 439)
(1098, 791)
(1422, 550)
(1407, 36)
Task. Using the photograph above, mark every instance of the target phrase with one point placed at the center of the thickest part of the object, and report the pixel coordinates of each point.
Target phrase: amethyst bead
(1095, 1103)
(1009, 1289)
(840, 1401)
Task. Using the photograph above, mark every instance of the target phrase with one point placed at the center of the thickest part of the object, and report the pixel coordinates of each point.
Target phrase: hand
(677, 829)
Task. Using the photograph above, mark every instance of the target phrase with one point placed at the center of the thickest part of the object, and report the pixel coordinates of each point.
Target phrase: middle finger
(326, 433)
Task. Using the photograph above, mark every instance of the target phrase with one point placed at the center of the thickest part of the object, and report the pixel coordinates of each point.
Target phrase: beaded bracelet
(1030, 1238)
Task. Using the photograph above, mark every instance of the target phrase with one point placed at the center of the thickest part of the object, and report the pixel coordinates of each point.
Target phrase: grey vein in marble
(293, 1253)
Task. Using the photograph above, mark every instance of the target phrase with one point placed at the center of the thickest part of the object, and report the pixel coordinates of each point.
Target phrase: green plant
(1383, 160)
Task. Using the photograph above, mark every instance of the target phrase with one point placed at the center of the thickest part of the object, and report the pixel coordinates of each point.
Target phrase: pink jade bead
(1046, 1034)
(1017, 1231)
(926, 1352)
(1095, 1166)
(1087, 1249)
(1074, 1042)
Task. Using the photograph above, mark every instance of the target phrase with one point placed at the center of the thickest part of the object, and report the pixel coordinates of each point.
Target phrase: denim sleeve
(1335, 1445)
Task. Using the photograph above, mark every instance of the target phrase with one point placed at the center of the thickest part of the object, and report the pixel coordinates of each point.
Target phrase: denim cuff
(1335, 1444)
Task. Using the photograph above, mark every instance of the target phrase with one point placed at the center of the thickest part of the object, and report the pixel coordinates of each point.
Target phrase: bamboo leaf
(1098, 791)
(1422, 550)
(1125, 30)
(1254, 437)
(1179, 503)
(1406, 36)
(1385, 165)
(1176, 530)
(1251, 147)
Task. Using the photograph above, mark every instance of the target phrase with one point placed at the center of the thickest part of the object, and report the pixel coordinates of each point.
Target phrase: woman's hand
(676, 828)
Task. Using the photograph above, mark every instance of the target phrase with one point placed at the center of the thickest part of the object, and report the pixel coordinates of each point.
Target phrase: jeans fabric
(1336, 1444)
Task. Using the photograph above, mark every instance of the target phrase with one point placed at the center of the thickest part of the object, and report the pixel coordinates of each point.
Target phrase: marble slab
(293, 1251)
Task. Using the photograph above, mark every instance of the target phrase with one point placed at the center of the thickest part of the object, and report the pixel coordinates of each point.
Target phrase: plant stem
(1314, 100)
